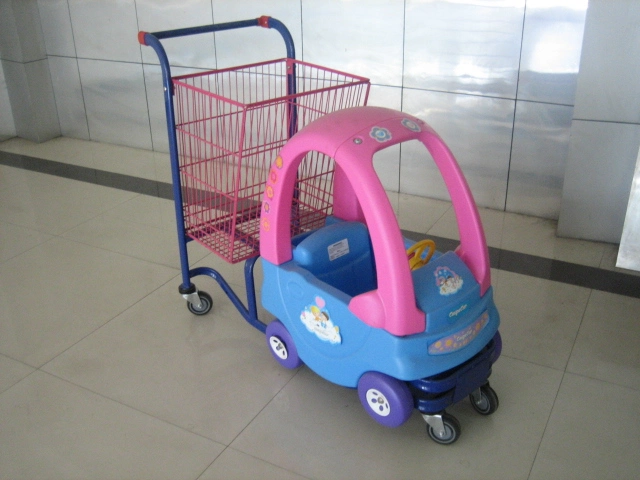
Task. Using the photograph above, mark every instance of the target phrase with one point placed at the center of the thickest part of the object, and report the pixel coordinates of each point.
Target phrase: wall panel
(538, 157)
(477, 130)
(115, 102)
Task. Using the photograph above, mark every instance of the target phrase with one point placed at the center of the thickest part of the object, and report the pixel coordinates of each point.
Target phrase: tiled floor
(104, 374)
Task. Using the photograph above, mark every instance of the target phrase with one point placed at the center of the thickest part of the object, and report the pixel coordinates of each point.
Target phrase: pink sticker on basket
(273, 176)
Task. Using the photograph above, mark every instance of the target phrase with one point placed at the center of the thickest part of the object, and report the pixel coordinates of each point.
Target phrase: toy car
(363, 307)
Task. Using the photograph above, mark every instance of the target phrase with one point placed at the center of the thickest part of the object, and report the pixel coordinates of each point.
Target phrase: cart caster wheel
(386, 399)
(205, 304)
(484, 400)
(281, 345)
(447, 432)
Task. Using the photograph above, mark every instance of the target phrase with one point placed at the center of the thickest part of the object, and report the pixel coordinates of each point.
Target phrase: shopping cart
(407, 326)
(225, 129)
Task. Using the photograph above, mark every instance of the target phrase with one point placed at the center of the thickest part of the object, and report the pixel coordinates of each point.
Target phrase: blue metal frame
(152, 40)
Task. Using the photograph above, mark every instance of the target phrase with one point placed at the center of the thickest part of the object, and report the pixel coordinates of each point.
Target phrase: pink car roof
(351, 137)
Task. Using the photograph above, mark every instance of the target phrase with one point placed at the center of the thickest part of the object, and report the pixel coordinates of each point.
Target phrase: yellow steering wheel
(415, 253)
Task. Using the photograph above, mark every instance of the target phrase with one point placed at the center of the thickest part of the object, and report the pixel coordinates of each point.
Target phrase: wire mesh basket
(230, 125)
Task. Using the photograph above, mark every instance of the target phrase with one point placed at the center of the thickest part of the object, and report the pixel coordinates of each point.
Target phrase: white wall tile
(610, 65)
(27, 19)
(467, 47)
(155, 101)
(538, 158)
(598, 180)
(115, 100)
(362, 37)
(16, 80)
(56, 27)
(191, 51)
(478, 132)
(629, 253)
(7, 126)
(68, 94)
(551, 47)
(105, 30)
(43, 106)
(255, 44)
(32, 102)
(9, 38)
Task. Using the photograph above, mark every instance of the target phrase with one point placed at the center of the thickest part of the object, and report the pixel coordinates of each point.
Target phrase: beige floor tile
(323, 432)
(54, 205)
(148, 211)
(84, 153)
(447, 226)
(135, 240)
(50, 428)
(162, 165)
(11, 372)
(539, 318)
(60, 291)
(16, 240)
(537, 236)
(156, 392)
(235, 465)
(607, 344)
(210, 375)
(10, 176)
(592, 433)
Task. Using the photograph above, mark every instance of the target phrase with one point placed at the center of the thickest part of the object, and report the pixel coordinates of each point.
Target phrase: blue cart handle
(146, 38)
(153, 40)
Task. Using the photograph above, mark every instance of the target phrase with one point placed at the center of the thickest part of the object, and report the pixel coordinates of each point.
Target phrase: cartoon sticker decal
(317, 320)
(411, 125)
(448, 281)
(460, 339)
(380, 134)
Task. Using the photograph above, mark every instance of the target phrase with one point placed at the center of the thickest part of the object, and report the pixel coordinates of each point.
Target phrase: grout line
(515, 108)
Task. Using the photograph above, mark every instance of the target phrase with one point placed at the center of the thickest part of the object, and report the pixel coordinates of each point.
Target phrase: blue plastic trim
(183, 32)
(286, 36)
(154, 43)
(252, 307)
(434, 394)
(219, 27)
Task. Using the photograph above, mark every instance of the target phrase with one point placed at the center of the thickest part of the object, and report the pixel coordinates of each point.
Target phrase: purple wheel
(281, 345)
(387, 400)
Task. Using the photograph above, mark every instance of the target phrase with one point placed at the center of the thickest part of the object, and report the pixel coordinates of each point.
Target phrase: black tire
(205, 304)
(452, 430)
(488, 402)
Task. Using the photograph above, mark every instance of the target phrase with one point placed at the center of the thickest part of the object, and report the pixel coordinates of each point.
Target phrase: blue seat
(339, 254)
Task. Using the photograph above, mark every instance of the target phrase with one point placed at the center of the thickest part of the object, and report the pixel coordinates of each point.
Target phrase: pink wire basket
(230, 125)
